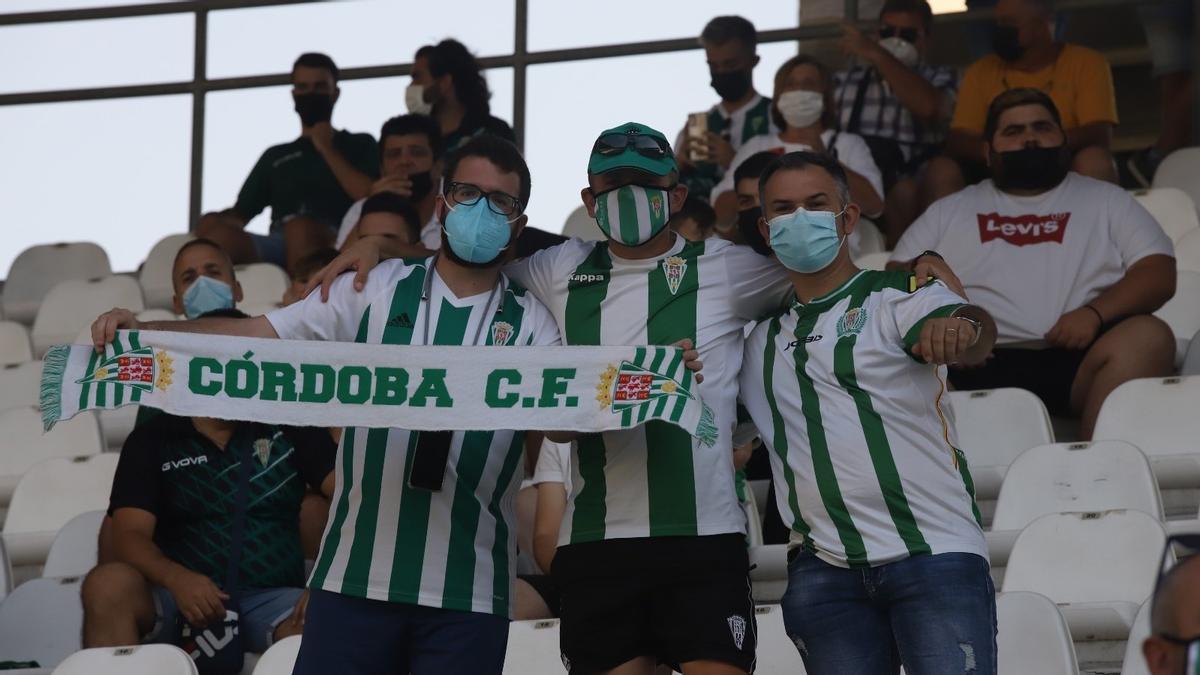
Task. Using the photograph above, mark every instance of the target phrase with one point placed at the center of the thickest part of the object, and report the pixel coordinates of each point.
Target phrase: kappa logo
(501, 332)
(1023, 230)
(401, 320)
(852, 322)
(737, 628)
(184, 463)
(585, 278)
(673, 268)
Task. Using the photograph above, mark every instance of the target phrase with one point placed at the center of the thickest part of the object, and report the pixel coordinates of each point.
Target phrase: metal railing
(519, 60)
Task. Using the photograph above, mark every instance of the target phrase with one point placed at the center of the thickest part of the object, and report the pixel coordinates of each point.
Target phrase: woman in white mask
(802, 109)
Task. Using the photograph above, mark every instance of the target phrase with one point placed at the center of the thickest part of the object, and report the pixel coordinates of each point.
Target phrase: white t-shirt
(862, 446)
(1029, 260)
(852, 152)
(431, 232)
(553, 465)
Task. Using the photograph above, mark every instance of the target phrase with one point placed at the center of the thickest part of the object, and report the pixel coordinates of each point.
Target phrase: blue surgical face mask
(475, 232)
(806, 241)
(206, 294)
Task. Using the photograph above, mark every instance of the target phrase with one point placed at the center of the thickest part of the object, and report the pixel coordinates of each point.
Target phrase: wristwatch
(977, 325)
(922, 254)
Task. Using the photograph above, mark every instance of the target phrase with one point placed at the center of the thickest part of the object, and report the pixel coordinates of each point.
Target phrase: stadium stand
(873, 261)
(533, 648)
(867, 239)
(42, 620)
(1172, 208)
(1182, 312)
(155, 275)
(38, 269)
(1181, 169)
(15, 346)
(995, 426)
(1158, 415)
(74, 551)
(155, 659)
(776, 652)
(26, 445)
(1098, 567)
(71, 306)
(280, 658)
(49, 495)
(1032, 636)
(262, 284)
(1187, 254)
(1135, 662)
(19, 384)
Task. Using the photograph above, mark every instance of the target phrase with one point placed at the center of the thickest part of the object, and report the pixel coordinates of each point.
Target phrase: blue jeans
(356, 636)
(936, 614)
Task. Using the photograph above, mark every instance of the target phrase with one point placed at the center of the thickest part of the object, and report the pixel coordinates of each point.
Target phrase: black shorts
(543, 585)
(677, 599)
(1049, 373)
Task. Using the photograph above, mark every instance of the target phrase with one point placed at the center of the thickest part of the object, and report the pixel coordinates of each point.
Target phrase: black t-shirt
(190, 485)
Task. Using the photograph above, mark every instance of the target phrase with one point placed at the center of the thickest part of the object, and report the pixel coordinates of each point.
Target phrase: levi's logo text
(1023, 230)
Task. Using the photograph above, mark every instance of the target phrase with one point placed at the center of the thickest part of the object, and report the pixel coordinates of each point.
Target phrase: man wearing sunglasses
(1173, 647)
(897, 102)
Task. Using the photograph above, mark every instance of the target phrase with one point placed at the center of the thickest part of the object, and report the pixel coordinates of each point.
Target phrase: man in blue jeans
(887, 561)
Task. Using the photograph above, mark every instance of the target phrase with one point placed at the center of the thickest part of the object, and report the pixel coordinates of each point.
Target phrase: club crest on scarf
(502, 331)
(140, 369)
(673, 268)
(640, 390)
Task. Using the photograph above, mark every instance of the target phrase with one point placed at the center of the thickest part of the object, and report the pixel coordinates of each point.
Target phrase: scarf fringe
(706, 431)
(54, 364)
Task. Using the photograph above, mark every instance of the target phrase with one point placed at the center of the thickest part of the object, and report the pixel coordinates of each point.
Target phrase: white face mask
(904, 51)
(414, 100)
(801, 108)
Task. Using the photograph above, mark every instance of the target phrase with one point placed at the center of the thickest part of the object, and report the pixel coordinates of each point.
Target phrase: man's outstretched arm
(105, 327)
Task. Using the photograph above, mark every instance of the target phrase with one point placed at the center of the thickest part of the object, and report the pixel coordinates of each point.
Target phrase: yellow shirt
(1079, 82)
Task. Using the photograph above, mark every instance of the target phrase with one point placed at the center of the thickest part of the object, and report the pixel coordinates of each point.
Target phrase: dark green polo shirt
(190, 485)
(294, 180)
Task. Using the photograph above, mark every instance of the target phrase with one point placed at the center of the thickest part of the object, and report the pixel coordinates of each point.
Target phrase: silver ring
(951, 330)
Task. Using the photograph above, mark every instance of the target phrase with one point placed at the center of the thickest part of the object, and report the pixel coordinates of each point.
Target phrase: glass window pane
(568, 107)
(370, 32)
(100, 53)
(554, 24)
(15, 6)
(241, 124)
(112, 172)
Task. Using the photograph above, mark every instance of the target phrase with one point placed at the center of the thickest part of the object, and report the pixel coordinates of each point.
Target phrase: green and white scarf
(306, 383)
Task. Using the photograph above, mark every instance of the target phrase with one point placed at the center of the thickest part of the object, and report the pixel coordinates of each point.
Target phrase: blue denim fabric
(936, 614)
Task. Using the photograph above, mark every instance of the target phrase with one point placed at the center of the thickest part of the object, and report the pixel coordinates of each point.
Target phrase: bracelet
(1097, 313)
(922, 254)
(977, 325)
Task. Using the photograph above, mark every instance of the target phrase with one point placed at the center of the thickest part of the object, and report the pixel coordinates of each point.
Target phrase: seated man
(387, 214)
(410, 164)
(303, 271)
(1071, 267)
(308, 183)
(1175, 620)
(1076, 78)
(745, 185)
(172, 509)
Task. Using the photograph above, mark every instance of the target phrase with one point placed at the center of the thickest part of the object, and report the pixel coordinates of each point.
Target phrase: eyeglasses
(909, 35)
(499, 202)
(646, 146)
(1189, 544)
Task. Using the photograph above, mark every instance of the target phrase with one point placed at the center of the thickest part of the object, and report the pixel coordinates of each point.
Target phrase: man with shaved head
(1175, 621)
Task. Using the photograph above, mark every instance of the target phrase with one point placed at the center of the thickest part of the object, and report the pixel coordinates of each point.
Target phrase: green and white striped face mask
(633, 214)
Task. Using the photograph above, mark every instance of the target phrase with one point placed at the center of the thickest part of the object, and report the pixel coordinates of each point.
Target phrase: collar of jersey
(827, 299)
(676, 247)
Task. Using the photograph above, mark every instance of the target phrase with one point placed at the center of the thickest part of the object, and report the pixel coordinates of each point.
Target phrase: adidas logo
(401, 320)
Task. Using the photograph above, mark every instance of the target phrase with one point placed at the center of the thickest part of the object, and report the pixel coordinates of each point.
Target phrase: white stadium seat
(280, 658)
(1172, 208)
(1032, 636)
(1181, 169)
(49, 495)
(866, 239)
(155, 275)
(6, 574)
(22, 443)
(1135, 662)
(582, 226)
(1159, 416)
(533, 648)
(1099, 476)
(768, 573)
(154, 659)
(873, 261)
(75, 547)
(994, 426)
(157, 315)
(1187, 252)
(1182, 312)
(1098, 567)
(38, 269)
(42, 620)
(15, 346)
(754, 533)
(72, 305)
(1191, 361)
(262, 283)
(776, 651)
(20, 384)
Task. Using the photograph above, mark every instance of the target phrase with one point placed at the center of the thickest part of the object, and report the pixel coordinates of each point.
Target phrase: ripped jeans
(936, 614)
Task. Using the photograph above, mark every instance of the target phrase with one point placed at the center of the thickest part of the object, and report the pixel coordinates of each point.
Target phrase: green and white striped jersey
(863, 452)
(455, 548)
(656, 480)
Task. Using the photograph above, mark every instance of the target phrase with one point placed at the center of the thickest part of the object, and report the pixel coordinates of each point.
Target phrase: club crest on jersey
(852, 322)
(262, 450)
(501, 332)
(737, 628)
(673, 269)
(139, 369)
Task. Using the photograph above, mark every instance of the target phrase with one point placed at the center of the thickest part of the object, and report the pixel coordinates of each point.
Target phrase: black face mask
(733, 85)
(422, 184)
(1030, 168)
(1006, 41)
(747, 223)
(313, 108)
